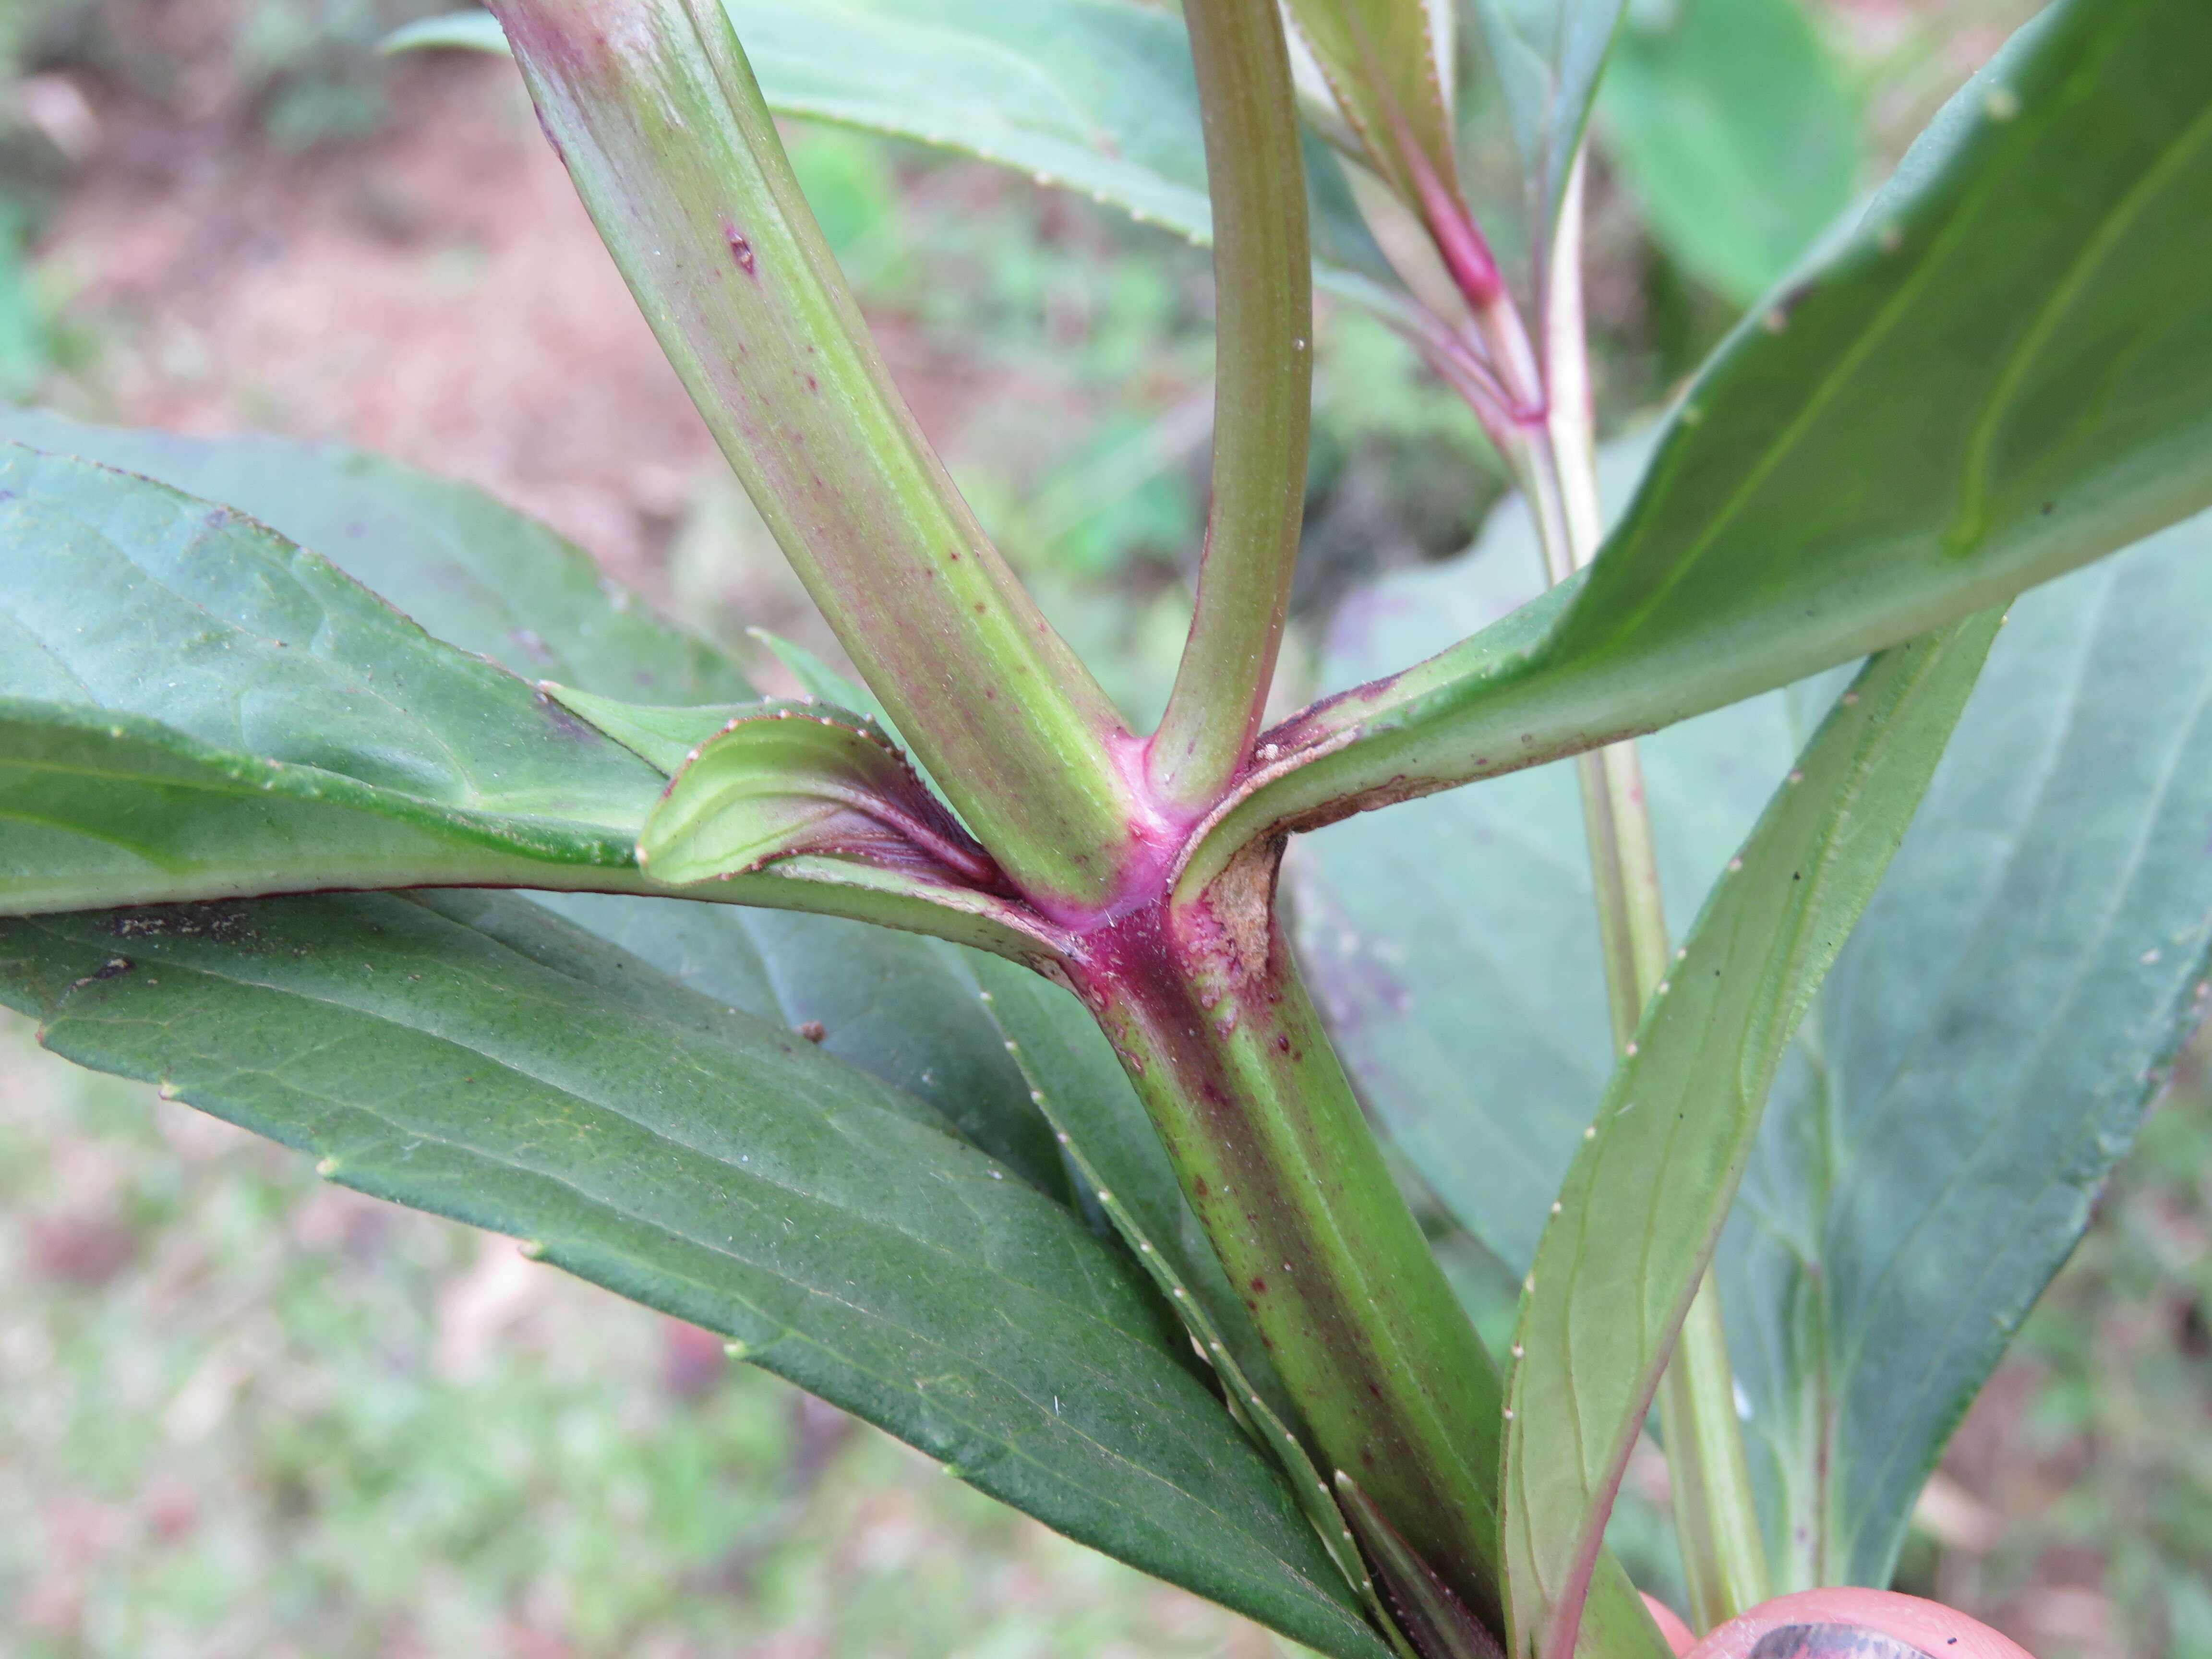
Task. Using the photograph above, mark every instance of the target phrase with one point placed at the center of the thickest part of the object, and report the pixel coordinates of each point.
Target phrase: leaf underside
(471, 1054)
(1651, 1185)
(1948, 1086)
(477, 1058)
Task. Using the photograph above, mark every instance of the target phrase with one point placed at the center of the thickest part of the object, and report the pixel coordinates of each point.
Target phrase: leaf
(1981, 1054)
(1944, 1088)
(1648, 1191)
(1732, 126)
(1380, 58)
(516, 1075)
(1453, 940)
(197, 707)
(664, 739)
(191, 707)
(1548, 55)
(1094, 96)
(782, 779)
(476, 573)
(2006, 372)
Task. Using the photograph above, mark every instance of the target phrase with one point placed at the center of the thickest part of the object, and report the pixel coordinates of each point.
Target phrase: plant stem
(1263, 385)
(651, 106)
(1716, 1514)
(1204, 1003)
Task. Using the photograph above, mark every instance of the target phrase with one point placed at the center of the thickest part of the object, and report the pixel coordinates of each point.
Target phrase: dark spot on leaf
(1282, 1044)
(1260, 1284)
(2049, 508)
(740, 250)
(1198, 1185)
(113, 966)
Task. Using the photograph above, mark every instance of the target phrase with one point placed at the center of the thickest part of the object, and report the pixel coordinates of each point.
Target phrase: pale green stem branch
(1716, 1514)
(1263, 383)
(654, 109)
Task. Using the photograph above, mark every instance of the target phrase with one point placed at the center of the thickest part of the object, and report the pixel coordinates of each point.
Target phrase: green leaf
(783, 779)
(666, 740)
(198, 707)
(1949, 1085)
(194, 707)
(1645, 1197)
(492, 1065)
(1095, 96)
(2004, 373)
(898, 1007)
(1381, 60)
(661, 124)
(476, 573)
(1547, 56)
(1453, 940)
(1732, 126)
(1981, 1054)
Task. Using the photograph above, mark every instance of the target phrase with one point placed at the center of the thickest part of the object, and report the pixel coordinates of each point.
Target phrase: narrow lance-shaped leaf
(191, 707)
(476, 1058)
(2005, 372)
(1646, 1196)
(655, 111)
(1975, 1060)
(474, 573)
(1095, 96)
(1981, 1054)
(1380, 59)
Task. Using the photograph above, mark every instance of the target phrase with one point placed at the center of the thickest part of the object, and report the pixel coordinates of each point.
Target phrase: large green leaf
(471, 1056)
(1976, 1062)
(197, 707)
(2006, 371)
(193, 707)
(1645, 1200)
(476, 573)
(1732, 126)
(1981, 1054)
(1095, 96)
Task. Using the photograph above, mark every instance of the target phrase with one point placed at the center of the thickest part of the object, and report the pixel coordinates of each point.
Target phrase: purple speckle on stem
(740, 249)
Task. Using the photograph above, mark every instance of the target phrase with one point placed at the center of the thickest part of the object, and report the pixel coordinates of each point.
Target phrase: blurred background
(248, 1414)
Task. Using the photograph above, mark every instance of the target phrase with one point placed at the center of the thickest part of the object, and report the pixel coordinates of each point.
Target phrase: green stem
(1263, 382)
(654, 108)
(1716, 1514)
(1391, 1384)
